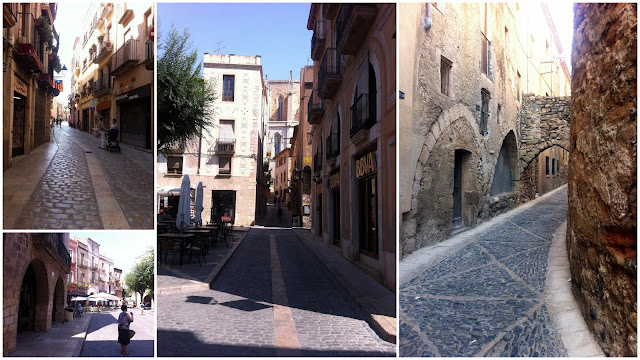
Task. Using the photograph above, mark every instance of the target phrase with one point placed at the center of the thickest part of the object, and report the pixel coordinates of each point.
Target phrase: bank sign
(366, 165)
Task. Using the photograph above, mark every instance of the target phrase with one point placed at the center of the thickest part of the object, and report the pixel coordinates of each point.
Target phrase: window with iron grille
(484, 113)
(445, 72)
(228, 84)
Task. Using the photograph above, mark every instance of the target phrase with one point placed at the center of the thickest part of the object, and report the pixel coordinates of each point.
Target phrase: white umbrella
(79, 298)
(199, 208)
(184, 206)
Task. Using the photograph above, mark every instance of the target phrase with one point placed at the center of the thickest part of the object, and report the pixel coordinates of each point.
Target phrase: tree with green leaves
(185, 98)
(140, 278)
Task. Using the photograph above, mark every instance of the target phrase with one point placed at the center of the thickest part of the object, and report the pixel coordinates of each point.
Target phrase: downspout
(428, 21)
(199, 149)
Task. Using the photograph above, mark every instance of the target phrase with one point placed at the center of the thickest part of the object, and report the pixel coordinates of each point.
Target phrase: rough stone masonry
(601, 230)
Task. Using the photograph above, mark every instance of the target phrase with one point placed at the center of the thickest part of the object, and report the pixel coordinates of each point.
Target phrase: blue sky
(277, 32)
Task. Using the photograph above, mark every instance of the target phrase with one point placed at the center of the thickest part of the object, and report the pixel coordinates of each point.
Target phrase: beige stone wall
(19, 252)
(440, 124)
(602, 218)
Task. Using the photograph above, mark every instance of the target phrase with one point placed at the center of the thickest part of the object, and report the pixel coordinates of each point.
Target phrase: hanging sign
(19, 86)
(366, 165)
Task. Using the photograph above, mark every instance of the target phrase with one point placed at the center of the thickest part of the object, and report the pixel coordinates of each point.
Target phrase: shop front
(135, 117)
(366, 182)
(223, 205)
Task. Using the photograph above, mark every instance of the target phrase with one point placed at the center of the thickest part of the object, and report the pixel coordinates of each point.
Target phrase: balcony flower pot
(100, 38)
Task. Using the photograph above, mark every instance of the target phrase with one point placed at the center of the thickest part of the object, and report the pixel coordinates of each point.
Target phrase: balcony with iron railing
(54, 245)
(45, 80)
(315, 108)
(125, 58)
(83, 263)
(226, 146)
(318, 39)
(352, 26)
(93, 266)
(10, 14)
(105, 48)
(102, 86)
(29, 46)
(333, 147)
(360, 115)
(330, 74)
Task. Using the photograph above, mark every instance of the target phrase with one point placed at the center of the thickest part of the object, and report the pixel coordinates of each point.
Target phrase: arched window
(373, 117)
(280, 108)
(276, 144)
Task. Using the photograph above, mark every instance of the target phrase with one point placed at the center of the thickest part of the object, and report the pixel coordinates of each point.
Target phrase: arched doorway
(462, 183)
(505, 171)
(57, 311)
(34, 298)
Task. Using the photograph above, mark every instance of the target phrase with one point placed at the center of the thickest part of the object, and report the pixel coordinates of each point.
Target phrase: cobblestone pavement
(487, 299)
(64, 197)
(130, 176)
(102, 335)
(271, 289)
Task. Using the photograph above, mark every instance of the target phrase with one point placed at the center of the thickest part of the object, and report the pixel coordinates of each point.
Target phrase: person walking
(124, 335)
(103, 131)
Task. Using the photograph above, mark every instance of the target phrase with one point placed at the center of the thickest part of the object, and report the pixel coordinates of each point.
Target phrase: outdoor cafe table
(176, 237)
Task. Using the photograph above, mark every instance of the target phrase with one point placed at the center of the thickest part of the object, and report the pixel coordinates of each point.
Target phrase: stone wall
(601, 229)
(19, 253)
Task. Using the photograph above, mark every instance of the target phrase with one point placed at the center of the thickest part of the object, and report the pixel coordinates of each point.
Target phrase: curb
(80, 346)
(383, 325)
(195, 285)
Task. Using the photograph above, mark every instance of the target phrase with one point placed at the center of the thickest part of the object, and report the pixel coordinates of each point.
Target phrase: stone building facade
(602, 214)
(228, 157)
(113, 71)
(35, 269)
(92, 272)
(27, 82)
(464, 78)
(353, 109)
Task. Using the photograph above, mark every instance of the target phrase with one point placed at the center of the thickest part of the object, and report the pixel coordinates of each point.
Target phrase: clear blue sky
(277, 32)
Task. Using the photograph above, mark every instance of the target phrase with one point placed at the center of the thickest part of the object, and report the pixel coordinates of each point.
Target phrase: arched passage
(57, 311)
(505, 173)
(546, 171)
(34, 298)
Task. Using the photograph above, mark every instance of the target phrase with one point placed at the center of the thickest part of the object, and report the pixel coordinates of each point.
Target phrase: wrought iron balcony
(352, 26)
(53, 243)
(29, 46)
(93, 266)
(148, 60)
(318, 39)
(125, 58)
(45, 80)
(333, 146)
(102, 86)
(330, 74)
(315, 108)
(360, 115)
(83, 263)
(226, 146)
(105, 48)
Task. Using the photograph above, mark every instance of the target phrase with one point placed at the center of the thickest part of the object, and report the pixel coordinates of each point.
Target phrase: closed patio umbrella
(183, 217)
(199, 208)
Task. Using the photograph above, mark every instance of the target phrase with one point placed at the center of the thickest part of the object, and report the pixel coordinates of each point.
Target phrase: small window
(280, 108)
(553, 167)
(225, 165)
(174, 165)
(445, 71)
(546, 165)
(228, 84)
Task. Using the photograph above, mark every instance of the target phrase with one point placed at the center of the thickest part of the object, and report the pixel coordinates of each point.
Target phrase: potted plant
(91, 51)
(100, 37)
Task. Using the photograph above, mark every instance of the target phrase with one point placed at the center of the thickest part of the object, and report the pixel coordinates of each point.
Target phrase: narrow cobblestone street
(102, 335)
(117, 192)
(272, 298)
(487, 298)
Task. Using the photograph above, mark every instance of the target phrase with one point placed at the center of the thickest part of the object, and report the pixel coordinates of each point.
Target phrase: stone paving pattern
(102, 335)
(487, 298)
(131, 183)
(236, 316)
(64, 197)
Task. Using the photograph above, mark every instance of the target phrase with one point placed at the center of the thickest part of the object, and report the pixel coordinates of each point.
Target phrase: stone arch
(33, 312)
(448, 117)
(505, 172)
(58, 297)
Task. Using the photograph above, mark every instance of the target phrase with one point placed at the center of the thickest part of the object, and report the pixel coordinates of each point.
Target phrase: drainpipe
(428, 21)
(199, 149)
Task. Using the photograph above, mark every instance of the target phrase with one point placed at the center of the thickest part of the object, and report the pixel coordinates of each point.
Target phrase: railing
(226, 145)
(315, 108)
(318, 38)
(104, 48)
(102, 86)
(341, 22)
(29, 42)
(330, 66)
(360, 118)
(93, 266)
(57, 241)
(333, 146)
(148, 61)
(317, 162)
(126, 54)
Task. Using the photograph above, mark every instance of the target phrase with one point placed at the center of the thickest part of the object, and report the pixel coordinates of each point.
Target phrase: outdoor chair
(194, 246)
(168, 247)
